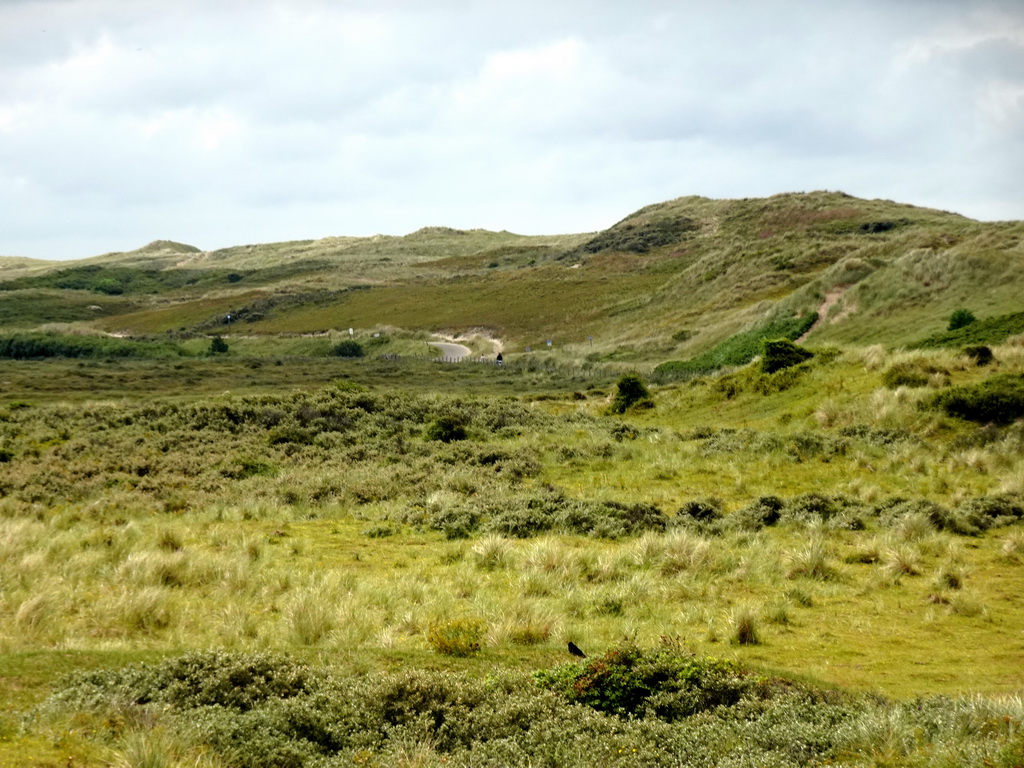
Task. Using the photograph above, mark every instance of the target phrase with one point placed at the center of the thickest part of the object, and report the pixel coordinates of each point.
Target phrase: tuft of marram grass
(744, 626)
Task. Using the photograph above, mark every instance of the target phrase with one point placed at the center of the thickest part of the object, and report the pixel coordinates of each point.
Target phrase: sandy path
(452, 351)
(831, 298)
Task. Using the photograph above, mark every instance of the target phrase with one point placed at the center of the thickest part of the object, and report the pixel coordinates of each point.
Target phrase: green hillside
(668, 282)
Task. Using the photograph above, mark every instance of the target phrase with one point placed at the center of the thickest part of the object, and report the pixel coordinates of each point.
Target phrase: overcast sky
(224, 122)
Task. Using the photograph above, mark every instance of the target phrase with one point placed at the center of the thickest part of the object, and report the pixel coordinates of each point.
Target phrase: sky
(227, 122)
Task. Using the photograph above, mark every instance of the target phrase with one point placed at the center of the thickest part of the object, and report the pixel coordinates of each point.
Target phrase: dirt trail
(831, 299)
(451, 351)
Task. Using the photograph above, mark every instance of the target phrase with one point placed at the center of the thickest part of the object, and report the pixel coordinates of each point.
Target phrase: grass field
(271, 555)
(149, 508)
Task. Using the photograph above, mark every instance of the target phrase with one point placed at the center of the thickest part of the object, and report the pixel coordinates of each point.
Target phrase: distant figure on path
(501, 360)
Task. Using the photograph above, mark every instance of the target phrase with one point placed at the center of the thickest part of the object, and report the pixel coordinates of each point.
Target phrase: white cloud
(222, 121)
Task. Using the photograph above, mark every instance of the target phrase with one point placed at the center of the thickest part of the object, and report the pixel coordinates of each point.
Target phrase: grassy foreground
(389, 557)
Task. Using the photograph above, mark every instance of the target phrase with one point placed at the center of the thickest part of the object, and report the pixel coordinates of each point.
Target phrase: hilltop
(669, 281)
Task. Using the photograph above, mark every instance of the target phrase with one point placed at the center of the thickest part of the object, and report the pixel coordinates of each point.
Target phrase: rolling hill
(670, 281)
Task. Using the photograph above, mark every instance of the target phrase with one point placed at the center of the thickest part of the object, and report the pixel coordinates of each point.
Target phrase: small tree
(632, 393)
(218, 346)
(782, 353)
(960, 318)
(349, 348)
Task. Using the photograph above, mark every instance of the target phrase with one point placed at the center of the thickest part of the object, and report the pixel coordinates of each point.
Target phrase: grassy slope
(238, 567)
(730, 265)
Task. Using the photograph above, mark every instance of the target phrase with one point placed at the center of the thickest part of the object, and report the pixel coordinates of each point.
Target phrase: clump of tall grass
(493, 553)
(311, 614)
(811, 561)
(901, 560)
(744, 626)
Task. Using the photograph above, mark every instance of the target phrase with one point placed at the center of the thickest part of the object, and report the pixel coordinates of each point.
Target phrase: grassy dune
(275, 556)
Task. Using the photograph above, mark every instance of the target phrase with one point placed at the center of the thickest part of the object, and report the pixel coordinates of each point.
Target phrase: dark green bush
(348, 348)
(631, 392)
(666, 684)
(31, 346)
(997, 400)
(218, 346)
(640, 237)
(989, 330)
(765, 512)
(447, 428)
(960, 318)
(981, 355)
(782, 353)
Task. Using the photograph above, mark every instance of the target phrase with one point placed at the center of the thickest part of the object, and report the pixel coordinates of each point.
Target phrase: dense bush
(631, 392)
(218, 346)
(666, 684)
(640, 237)
(989, 330)
(456, 637)
(997, 400)
(626, 707)
(348, 348)
(29, 346)
(960, 318)
(447, 428)
(782, 353)
(981, 355)
(736, 350)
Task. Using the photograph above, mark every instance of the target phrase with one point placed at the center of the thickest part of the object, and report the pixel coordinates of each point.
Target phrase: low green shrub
(627, 707)
(631, 392)
(765, 512)
(960, 318)
(447, 428)
(456, 637)
(703, 516)
(666, 683)
(981, 355)
(739, 349)
(996, 400)
(782, 353)
(904, 375)
(989, 330)
(348, 348)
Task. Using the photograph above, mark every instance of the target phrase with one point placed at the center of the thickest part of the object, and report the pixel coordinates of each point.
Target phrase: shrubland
(777, 503)
(787, 547)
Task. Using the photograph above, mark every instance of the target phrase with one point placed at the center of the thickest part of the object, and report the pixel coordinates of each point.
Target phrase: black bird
(575, 651)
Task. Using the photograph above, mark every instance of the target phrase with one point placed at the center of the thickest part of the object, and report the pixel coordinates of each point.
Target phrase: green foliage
(218, 346)
(782, 353)
(738, 349)
(447, 428)
(981, 355)
(996, 400)
(908, 374)
(348, 348)
(640, 236)
(667, 684)
(960, 319)
(631, 392)
(33, 346)
(238, 682)
(456, 637)
(989, 330)
(113, 280)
